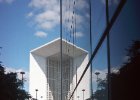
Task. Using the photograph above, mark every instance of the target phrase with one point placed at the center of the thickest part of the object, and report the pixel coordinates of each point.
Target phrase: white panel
(81, 62)
(37, 76)
(39, 73)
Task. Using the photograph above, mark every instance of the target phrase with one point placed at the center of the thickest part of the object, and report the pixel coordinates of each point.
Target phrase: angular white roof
(53, 48)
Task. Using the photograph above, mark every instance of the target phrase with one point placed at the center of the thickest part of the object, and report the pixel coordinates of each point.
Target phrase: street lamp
(83, 93)
(22, 73)
(36, 93)
(41, 97)
(97, 73)
(78, 97)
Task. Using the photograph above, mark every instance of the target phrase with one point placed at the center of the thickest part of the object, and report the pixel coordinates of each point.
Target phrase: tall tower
(45, 71)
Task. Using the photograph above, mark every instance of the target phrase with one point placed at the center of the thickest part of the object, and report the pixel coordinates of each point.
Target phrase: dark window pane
(125, 55)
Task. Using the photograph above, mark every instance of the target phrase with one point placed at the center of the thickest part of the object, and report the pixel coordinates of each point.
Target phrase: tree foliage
(101, 92)
(125, 84)
(11, 86)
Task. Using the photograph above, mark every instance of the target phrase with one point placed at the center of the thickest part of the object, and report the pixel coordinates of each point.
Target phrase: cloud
(79, 19)
(79, 34)
(44, 4)
(41, 34)
(115, 70)
(82, 4)
(45, 13)
(19, 76)
(30, 14)
(47, 19)
(125, 59)
(77, 14)
(102, 74)
(7, 1)
(26, 76)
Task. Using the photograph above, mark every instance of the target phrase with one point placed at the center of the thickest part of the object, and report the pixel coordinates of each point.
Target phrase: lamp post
(97, 73)
(36, 93)
(83, 93)
(22, 73)
(78, 97)
(41, 97)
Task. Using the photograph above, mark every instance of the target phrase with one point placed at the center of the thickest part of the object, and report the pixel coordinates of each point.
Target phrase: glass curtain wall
(76, 29)
(102, 87)
(102, 16)
(115, 46)
(76, 37)
(99, 74)
(99, 62)
(125, 52)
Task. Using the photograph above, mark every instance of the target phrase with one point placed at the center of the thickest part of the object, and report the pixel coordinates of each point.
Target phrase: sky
(27, 24)
(21, 30)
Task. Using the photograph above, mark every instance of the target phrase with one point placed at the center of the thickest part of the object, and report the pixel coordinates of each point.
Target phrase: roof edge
(55, 40)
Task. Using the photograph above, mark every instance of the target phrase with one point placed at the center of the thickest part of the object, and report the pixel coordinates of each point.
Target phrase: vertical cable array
(101, 40)
(70, 23)
(68, 34)
(74, 35)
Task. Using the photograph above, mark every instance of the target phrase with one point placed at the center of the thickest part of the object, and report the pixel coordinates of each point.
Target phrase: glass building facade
(109, 31)
(96, 57)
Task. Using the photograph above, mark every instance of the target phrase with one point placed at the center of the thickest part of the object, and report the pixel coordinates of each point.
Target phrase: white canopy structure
(45, 71)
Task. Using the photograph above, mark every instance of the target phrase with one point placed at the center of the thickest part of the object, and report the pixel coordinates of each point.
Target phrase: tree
(11, 86)
(125, 85)
(101, 92)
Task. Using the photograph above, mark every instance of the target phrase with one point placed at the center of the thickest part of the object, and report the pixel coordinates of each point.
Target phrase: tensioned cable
(90, 49)
(74, 35)
(66, 27)
(112, 21)
(65, 35)
(108, 52)
(61, 44)
(69, 40)
(67, 47)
